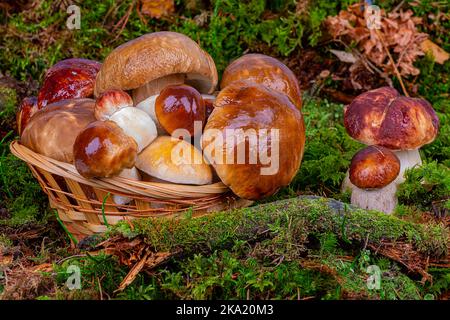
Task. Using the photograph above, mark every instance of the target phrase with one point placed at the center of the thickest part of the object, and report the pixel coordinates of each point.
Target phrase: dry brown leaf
(398, 31)
(439, 54)
(157, 8)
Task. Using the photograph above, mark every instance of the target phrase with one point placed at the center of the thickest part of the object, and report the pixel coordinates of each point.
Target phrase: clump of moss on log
(292, 220)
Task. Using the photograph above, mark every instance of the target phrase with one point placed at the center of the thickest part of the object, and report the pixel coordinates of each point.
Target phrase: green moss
(426, 185)
(301, 216)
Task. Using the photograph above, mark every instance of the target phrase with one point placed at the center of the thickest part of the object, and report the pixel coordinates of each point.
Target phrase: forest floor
(307, 252)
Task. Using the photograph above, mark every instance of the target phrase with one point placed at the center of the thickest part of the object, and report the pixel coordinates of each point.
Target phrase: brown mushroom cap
(52, 130)
(156, 55)
(103, 149)
(244, 105)
(374, 167)
(384, 117)
(178, 107)
(110, 102)
(262, 69)
(27, 109)
(68, 79)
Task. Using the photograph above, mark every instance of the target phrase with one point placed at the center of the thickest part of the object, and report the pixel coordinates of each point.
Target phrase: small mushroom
(265, 70)
(148, 64)
(263, 138)
(179, 107)
(174, 160)
(68, 79)
(372, 171)
(100, 143)
(383, 117)
(103, 149)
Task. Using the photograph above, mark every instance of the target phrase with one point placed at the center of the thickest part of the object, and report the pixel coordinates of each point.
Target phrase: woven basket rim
(156, 190)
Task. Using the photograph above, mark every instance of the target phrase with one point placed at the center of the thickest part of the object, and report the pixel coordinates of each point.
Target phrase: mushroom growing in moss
(401, 124)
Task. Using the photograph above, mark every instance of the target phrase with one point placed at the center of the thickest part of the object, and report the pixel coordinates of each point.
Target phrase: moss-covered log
(291, 220)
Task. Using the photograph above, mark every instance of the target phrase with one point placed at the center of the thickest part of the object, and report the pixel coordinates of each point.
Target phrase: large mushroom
(402, 124)
(254, 138)
(265, 70)
(68, 79)
(52, 130)
(150, 63)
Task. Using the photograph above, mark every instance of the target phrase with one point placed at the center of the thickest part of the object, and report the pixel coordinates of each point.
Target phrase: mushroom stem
(408, 159)
(154, 87)
(383, 199)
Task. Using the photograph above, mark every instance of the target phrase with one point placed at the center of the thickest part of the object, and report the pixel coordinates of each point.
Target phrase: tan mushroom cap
(52, 130)
(156, 55)
(268, 115)
(265, 70)
(384, 117)
(374, 167)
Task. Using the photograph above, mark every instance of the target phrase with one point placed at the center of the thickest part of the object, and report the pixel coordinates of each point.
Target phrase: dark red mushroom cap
(374, 167)
(68, 79)
(384, 117)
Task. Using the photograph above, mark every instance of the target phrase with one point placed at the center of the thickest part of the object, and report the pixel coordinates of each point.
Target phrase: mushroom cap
(103, 149)
(68, 79)
(262, 69)
(27, 109)
(174, 160)
(110, 102)
(384, 117)
(374, 167)
(53, 129)
(178, 107)
(153, 56)
(275, 129)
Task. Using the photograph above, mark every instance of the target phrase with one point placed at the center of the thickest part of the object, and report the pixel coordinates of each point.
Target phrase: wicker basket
(85, 206)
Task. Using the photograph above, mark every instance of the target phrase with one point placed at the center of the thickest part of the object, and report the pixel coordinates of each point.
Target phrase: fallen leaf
(439, 54)
(157, 8)
(344, 56)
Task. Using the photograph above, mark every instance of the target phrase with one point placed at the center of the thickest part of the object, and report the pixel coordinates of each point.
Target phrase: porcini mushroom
(179, 107)
(68, 79)
(402, 124)
(174, 160)
(100, 143)
(372, 171)
(148, 64)
(52, 130)
(254, 138)
(265, 70)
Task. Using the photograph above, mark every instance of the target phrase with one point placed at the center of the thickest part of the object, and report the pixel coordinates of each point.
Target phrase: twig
(392, 62)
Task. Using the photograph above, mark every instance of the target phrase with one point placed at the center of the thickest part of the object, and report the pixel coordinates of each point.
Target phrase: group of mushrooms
(123, 118)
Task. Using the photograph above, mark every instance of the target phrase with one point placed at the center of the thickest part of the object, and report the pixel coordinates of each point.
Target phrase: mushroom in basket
(109, 145)
(152, 62)
(401, 124)
(265, 70)
(67, 79)
(254, 138)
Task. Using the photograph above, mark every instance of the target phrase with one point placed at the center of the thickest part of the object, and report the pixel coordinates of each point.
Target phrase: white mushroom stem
(383, 199)
(131, 174)
(154, 87)
(408, 159)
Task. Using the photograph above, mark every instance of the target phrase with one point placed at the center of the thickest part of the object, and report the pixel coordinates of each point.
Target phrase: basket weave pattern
(86, 206)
